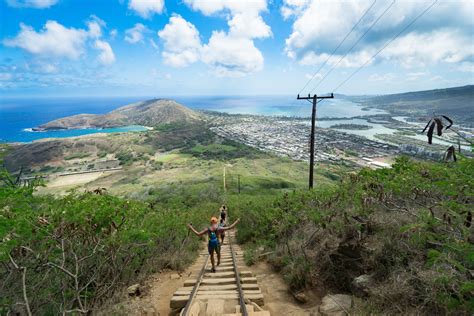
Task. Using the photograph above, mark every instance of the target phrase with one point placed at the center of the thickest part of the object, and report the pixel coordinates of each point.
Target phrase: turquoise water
(28, 136)
(19, 116)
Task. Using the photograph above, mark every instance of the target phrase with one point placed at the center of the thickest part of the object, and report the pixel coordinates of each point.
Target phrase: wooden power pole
(225, 187)
(314, 99)
(238, 183)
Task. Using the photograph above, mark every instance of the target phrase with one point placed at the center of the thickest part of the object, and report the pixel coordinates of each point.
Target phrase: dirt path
(159, 288)
(278, 299)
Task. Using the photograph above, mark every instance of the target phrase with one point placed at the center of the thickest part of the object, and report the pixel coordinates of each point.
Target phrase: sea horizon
(19, 115)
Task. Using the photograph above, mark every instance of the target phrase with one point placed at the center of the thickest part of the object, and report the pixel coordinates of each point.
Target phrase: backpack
(213, 240)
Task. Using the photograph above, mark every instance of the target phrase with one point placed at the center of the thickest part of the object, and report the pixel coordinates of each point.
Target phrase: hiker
(223, 210)
(213, 231)
(222, 224)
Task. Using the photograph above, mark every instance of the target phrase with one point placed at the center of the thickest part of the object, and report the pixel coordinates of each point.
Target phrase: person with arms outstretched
(213, 233)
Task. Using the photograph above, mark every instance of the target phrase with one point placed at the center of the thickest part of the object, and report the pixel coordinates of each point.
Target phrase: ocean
(18, 116)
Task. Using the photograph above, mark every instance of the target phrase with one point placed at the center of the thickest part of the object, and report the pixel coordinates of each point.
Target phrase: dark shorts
(211, 249)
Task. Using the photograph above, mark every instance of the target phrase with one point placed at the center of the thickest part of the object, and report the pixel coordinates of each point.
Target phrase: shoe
(213, 270)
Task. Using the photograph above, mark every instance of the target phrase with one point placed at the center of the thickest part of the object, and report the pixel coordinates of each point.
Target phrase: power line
(334, 51)
(388, 43)
(354, 45)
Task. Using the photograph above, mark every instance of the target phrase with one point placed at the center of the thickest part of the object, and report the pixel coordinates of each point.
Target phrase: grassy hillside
(400, 239)
(147, 113)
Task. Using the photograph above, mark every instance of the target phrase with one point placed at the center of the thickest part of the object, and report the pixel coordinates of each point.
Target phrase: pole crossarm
(314, 99)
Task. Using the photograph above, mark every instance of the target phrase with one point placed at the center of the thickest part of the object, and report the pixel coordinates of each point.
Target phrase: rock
(134, 290)
(175, 276)
(361, 284)
(338, 304)
(300, 297)
(150, 311)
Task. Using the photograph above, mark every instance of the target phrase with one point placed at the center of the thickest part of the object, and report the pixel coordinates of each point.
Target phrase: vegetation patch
(69, 254)
(401, 239)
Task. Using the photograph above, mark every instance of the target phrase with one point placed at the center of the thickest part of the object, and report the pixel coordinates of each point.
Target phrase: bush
(74, 252)
(409, 228)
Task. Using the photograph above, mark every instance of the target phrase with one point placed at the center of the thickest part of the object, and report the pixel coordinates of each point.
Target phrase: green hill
(147, 113)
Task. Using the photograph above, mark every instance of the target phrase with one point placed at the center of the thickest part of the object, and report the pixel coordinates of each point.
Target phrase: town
(289, 137)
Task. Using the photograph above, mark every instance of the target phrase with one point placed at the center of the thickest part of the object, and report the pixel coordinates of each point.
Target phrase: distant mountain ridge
(146, 113)
(457, 102)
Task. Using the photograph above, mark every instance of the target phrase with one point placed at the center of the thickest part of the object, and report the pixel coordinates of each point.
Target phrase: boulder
(134, 290)
(300, 297)
(338, 304)
(361, 284)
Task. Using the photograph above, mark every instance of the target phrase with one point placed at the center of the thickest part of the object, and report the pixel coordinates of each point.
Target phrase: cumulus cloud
(442, 35)
(38, 4)
(181, 40)
(146, 8)
(53, 40)
(233, 53)
(106, 55)
(95, 25)
(232, 56)
(136, 34)
(58, 41)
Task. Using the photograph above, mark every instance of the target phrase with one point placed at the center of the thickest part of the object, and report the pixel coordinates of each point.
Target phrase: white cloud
(310, 76)
(466, 66)
(58, 41)
(113, 33)
(443, 35)
(153, 44)
(249, 26)
(382, 77)
(446, 46)
(181, 42)
(54, 40)
(233, 53)
(106, 55)
(95, 25)
(135, 34)
(146, 8)
(232, 56)
(38, 4)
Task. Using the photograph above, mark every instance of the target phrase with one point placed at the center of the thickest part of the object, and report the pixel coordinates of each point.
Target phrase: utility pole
(314, 99)
(225, 187)
(238, 183)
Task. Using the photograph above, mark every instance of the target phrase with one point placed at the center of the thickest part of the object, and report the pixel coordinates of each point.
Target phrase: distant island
(145, 113)
(351, 126)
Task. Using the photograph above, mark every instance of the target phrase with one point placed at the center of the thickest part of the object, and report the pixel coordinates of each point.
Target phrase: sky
(233, 47)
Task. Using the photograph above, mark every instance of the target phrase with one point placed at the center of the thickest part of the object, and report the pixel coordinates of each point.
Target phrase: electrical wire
(354, 45)
(388, 43)
(338, 46)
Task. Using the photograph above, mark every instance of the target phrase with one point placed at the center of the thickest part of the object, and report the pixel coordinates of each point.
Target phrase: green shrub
(406, 227)
(76, 251)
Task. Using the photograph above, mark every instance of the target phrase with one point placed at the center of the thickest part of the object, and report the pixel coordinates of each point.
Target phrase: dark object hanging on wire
(438, 123)
(450, 154)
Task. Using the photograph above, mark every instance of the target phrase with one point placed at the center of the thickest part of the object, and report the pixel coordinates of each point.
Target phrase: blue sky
(231, 47)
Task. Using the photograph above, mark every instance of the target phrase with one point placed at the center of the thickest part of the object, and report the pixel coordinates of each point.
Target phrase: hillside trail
(157, 292)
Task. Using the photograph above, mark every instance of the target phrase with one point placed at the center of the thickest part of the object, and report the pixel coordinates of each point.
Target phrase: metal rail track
(243, 307)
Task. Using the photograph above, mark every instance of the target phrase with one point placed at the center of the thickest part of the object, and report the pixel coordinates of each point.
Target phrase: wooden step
(181, 300)
(188, 292)
(249, 308)
(227, 274)
(221, 281)
(248, 286)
